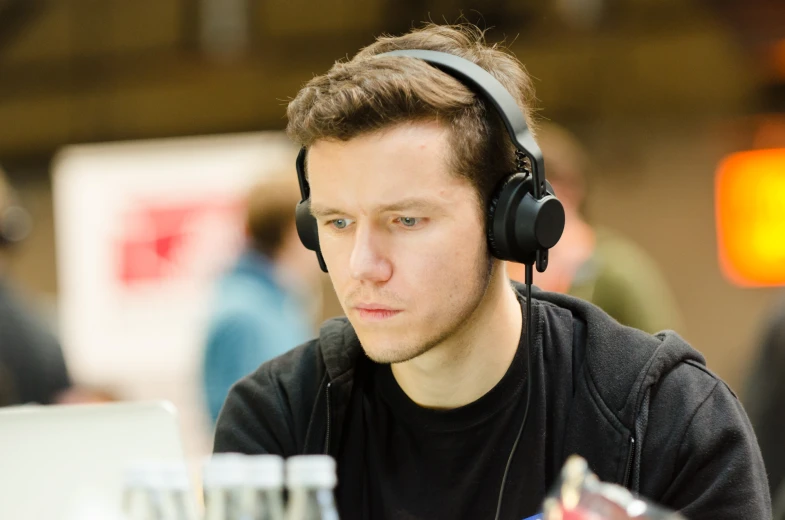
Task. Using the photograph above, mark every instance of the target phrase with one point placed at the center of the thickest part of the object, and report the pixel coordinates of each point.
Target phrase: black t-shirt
(421, 463)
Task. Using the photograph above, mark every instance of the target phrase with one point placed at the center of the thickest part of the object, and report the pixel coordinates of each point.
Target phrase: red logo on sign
(165, 241)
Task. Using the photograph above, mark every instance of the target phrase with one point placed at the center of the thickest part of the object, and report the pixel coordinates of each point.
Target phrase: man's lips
(372, 311)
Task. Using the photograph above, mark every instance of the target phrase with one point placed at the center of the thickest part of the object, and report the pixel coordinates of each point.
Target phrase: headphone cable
(529, 343)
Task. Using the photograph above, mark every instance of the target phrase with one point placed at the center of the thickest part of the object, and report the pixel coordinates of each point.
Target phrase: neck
(471, 362)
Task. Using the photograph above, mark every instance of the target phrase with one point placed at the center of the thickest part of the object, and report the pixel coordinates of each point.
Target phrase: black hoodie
(644, 412)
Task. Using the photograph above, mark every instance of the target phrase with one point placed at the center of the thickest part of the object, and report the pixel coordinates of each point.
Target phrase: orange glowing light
(750, 213)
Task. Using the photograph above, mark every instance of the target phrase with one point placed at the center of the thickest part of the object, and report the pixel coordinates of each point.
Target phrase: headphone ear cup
(502, 215)
(496, 237)
(306, 225)
(548, 232)
(308, 231)
(520, 227)
(307, 228)
(539, 222)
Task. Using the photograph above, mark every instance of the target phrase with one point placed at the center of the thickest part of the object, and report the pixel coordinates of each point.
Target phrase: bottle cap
(224, 470)
(174, 475)
(312, 471)
(142, 474)
(264, 471)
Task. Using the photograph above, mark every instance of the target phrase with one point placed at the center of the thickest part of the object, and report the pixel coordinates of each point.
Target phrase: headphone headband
(524, 218)
(482, 81)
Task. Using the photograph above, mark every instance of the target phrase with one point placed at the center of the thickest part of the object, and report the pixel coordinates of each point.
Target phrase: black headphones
(524, 217)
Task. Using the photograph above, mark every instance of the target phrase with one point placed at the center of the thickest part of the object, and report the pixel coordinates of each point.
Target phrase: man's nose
(368, 261)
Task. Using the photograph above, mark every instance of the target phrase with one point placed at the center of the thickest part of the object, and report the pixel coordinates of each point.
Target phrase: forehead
(406, 160)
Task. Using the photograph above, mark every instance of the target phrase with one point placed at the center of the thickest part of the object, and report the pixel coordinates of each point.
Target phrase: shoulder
(699, 443)
(625, 271)
(257, 310)
(626, 254)
(681, 393)
(270, 410)
(239, 290)
(620, 362)
(266, 410)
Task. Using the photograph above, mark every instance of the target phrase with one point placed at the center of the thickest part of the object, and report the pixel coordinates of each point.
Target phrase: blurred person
(764, 398)
(264, 304)
(32, 365)
(595, 263)
(439, 394)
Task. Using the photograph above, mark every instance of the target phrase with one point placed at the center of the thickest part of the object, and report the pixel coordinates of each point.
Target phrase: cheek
(337, 252)
(445, 261)
(336, 255)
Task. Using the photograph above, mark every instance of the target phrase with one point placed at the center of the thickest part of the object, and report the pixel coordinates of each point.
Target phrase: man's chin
(388, 352)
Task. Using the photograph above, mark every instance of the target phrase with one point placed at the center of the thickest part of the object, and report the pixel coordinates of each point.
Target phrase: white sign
(142, 229)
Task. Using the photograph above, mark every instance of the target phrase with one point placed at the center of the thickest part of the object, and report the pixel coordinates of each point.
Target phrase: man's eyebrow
(324, 211)
(416, 204)
(408, 205)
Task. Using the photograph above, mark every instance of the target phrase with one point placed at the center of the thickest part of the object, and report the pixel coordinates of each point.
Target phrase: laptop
(67, 462)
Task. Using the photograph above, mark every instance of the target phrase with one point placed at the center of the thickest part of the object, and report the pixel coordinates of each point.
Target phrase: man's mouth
(375, 312)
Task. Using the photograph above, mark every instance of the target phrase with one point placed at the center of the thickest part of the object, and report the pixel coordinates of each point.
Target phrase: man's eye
(339, 223)
(409, 221)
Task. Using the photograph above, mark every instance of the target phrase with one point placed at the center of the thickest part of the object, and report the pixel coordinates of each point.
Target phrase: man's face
(402, 237)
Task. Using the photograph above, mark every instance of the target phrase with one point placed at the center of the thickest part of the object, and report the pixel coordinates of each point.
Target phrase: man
(597, 264)
(263, 304)
(421, 391)
(32, 366)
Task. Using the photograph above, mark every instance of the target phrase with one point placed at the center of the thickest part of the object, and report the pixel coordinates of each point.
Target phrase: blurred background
(131, 131)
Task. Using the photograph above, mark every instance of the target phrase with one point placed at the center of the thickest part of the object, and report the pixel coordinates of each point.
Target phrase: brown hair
(369, 93)
(270, 212)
